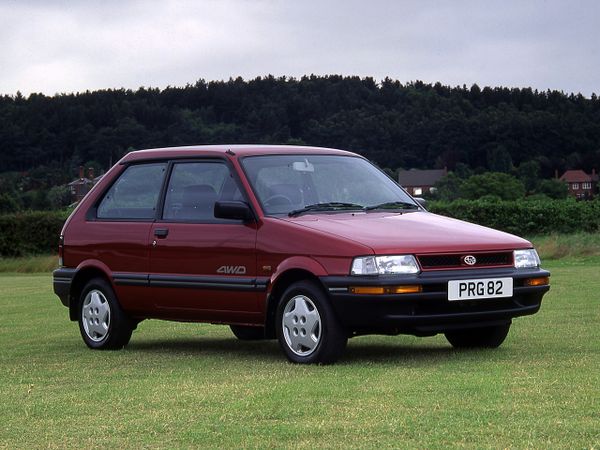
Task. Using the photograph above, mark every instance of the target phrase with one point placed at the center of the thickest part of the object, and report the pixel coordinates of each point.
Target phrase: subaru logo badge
(469, 260)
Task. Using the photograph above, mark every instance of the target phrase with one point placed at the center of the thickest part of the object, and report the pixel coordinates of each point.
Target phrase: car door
(203, 268)
(117, 231)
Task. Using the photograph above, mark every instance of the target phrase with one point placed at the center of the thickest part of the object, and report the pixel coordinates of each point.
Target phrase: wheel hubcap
(95, 315)
(301, 325)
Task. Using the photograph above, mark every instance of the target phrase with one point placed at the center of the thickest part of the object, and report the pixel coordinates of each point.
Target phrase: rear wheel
(306, 326)
(246, 333)
(485, 337)
(102, 322)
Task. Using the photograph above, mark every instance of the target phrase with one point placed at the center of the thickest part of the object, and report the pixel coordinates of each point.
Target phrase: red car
(308, 245)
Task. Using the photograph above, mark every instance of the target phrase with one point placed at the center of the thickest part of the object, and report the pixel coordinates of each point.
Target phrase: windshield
(288, 183)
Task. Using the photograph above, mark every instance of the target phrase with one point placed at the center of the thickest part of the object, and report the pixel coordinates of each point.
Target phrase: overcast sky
(68, 46)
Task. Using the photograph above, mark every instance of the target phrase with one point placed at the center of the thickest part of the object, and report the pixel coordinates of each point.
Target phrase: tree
(10, 184)
(462, 170)
(34, 199)
(553, 189)
(498, 159)
(449, 188)
(397, 125)
(529, 173)
(58, 197)
(8, 203)
(501, 185)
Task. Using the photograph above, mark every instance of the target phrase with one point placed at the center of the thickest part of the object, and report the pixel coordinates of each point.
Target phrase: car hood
(411, 232)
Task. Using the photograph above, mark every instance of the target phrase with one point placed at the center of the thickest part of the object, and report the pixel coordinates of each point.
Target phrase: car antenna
(230, 152)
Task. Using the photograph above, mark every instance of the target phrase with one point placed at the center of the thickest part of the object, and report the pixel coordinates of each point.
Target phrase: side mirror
(421, 201)
(233, 210)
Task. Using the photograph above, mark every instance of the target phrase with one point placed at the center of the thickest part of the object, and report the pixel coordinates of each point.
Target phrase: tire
(246, 333)
(102, 322)
(307, 329)
(485, 337)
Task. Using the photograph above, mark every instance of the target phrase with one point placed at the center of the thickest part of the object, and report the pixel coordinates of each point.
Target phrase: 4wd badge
(232, 270)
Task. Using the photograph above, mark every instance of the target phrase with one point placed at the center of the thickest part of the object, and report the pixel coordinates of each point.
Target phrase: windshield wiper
(328, 206)
(392, 205)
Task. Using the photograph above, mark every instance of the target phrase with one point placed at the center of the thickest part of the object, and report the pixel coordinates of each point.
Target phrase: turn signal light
(542, 281)
(381, 290)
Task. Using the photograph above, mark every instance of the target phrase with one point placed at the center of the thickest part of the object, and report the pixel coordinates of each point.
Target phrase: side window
(135, 194)
(193, 189)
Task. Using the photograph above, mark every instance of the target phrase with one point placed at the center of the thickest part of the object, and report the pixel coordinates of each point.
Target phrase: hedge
(38, 232)
(526, 217)
(30, 233)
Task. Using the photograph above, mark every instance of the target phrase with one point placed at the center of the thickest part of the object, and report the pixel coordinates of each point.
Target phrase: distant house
(417, 182)
(82, 185)
(580, 184)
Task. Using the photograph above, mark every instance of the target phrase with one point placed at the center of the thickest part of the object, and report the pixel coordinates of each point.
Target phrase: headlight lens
(526, 258)
(384, 265)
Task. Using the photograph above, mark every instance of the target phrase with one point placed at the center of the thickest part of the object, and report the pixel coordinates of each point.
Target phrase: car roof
(236, 150)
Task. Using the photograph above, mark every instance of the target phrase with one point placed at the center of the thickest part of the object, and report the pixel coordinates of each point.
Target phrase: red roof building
(81, 186)
(580, 184)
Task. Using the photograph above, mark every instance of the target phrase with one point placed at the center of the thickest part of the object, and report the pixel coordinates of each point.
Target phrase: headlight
(384, 265)
(526, 258)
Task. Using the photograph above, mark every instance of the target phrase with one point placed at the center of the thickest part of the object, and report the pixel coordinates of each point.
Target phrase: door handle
(161, 232)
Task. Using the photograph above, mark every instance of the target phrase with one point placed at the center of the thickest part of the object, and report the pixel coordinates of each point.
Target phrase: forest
(44, 139)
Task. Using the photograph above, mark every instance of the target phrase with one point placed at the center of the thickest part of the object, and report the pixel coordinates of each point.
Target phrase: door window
(193, 189)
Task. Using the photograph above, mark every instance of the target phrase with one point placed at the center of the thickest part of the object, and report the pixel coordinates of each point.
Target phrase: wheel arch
(290, 271)
(82, 276)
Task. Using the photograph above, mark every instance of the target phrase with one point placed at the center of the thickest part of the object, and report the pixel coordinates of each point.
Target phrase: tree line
(44, 139)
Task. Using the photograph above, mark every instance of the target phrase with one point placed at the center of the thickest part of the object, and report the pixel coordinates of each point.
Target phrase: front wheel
(102, 322)
(307, 329)
(485, 337)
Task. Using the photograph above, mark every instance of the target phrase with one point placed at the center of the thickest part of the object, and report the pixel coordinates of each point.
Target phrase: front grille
(456, 260)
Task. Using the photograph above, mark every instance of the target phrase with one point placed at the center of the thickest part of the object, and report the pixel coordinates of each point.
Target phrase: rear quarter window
(135, 193)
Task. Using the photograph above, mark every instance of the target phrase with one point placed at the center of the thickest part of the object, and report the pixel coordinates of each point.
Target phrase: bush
(554, 189)
(59, 197)
(37, 232)
(526, 218)
(501, 185)
(34, 199)
(8, 203)
(30, 233)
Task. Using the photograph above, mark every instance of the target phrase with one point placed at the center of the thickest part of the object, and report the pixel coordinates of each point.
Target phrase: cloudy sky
(68, 46)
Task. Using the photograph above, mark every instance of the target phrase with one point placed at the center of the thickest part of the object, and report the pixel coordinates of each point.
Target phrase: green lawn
(188, 385)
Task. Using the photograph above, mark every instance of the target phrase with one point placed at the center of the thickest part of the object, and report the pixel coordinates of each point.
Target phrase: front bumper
(429, 312)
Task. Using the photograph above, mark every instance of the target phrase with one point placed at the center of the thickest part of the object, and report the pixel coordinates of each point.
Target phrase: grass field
(188, 385)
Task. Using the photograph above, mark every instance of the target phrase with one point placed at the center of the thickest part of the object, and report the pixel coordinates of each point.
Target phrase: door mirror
(421, 201)
(233, 210)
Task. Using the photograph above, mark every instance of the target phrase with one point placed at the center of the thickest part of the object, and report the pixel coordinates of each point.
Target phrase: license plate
(481, 288)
